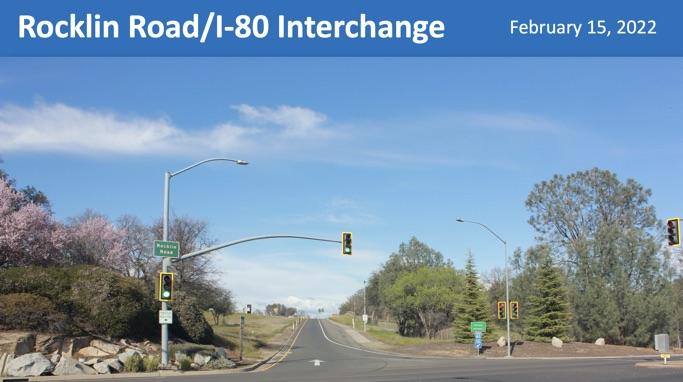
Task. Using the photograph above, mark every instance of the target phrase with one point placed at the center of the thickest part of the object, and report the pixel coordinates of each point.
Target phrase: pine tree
(473, 305)
(548, 313)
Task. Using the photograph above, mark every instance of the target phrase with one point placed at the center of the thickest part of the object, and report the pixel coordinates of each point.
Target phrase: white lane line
(361, 349)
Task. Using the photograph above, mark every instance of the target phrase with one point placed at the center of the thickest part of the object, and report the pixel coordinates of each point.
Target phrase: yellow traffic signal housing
(502, 310)
(673, 231)
(346, 244)
(514, 310)
(165, 286)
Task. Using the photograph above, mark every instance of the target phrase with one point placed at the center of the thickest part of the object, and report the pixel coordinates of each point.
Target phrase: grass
(258, 331)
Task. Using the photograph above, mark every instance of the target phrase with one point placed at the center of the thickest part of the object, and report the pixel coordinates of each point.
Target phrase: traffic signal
(514, 310)
(248, 308)
(673, 231)
(165, 286)
(346, 243)
(502, 310)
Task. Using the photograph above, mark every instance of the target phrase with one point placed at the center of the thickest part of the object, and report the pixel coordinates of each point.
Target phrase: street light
(166, 261)
(507, 283)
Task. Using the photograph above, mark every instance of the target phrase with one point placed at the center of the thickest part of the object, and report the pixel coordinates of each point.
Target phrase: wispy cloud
(339, 211)
(56, 127)
(513, 122)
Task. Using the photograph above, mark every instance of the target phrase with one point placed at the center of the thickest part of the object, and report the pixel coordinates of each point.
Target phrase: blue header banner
(340, 28)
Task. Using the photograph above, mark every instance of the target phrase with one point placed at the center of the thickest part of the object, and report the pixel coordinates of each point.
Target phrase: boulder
(91, 351)
(123, 357)
(179, 355)
(501, 342)
(29, 365)
(4, 360)
(114, 364)
(69, 366)
(220, 352)
(49, 344)
(556, 342)
(600, 342)
(102, 368)
(78, 343)
(221, 363)
(54, 357)
(91, 361)
(201, 359)
(17, 343)
(105, 346)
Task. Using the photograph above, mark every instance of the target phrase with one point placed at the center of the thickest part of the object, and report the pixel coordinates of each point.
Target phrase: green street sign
(166, 248)
(477, 326)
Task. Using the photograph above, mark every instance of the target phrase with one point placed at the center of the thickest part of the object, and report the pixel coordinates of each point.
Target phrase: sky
(386, 148)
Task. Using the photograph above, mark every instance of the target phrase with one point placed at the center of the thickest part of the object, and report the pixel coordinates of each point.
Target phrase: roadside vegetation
(599, 269)
(260, 331)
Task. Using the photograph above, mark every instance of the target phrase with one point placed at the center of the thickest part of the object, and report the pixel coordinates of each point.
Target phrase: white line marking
(365, 350)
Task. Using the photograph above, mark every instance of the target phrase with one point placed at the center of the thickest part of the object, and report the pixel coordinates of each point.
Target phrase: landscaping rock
(114, 364)
(123, 357)
(29, 365)
(221, 363)
(49, 344)
(25, 344)
(54, 357)
(78, 343)
(4, 361)
(90, 352)
(102, 368)
(91, 361)
(179, 355)
(501, 342)
(220, 352)
(201, 359)
(17, 343)
(600, 342)
(69, 366)
(105, 346)
(556, 342)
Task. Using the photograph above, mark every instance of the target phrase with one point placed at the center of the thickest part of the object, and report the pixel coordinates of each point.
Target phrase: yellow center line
(288, 349)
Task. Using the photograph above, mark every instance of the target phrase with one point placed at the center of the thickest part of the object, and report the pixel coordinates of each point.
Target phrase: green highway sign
(477, 326)
(166, 248)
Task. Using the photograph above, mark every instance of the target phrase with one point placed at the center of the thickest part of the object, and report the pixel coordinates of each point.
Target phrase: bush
(134, 364)
(185, 364)
(87, 298)
(151, 363)
(188, 320)
(27, 311)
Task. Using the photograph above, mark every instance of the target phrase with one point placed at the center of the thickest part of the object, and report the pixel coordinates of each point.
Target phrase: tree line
(599, 268)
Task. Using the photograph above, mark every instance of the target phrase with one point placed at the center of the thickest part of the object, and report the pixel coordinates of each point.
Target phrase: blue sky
(387, 148)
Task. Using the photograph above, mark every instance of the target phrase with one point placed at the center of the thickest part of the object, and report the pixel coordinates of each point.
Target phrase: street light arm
(237, 161)
(487, 228)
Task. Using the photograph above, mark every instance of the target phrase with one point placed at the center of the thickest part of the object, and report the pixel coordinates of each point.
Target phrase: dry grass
(259, 331)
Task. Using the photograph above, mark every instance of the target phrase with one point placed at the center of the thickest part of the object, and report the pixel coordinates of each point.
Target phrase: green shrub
(30, 312)
(89, 299)
(188, 320)
(134, 364)
(151, 363)
(185, 364)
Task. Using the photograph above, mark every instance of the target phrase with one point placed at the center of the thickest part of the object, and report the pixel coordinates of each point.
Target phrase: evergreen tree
(473, 305)
(548, 313)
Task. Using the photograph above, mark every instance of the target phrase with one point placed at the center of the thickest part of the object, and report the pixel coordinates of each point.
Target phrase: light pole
(166, 261)
(507, 282)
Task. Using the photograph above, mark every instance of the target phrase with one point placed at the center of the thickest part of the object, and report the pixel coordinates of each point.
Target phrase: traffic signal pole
(164, 268)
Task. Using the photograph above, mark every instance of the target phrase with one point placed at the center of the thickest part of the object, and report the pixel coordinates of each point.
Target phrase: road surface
(341, 359)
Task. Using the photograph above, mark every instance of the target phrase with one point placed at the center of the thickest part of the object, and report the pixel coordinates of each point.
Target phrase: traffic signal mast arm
(248, 239)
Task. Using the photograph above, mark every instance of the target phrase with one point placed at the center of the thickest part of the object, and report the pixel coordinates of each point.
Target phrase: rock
(114, 364)
(69, 366)
(556, 342)
(49, 344)
(4, 360)
(91, 361)
(501, 342)
(201, 359)
(221, 363)
(179, 355)
(17, 343)
(90, 352)
(102, 368)
(220, 352)
(123, 357)
(78, 343)
(600, 342)
(29, 365)
(105, 346)
(54, 357)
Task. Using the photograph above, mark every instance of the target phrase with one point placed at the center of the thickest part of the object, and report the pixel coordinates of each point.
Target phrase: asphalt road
(342, 360)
